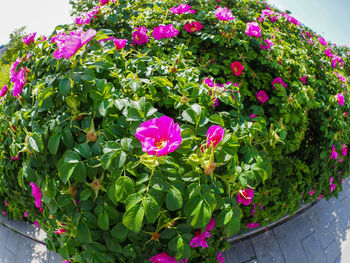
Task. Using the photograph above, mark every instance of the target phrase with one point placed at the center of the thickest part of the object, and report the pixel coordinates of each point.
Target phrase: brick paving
(319, 235)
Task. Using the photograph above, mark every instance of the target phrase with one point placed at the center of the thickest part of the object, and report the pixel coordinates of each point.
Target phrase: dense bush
(202, 128)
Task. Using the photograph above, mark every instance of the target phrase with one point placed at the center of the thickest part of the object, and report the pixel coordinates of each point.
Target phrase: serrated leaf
(173, 199)
(124, 186)
(152, 209)
(133, 218)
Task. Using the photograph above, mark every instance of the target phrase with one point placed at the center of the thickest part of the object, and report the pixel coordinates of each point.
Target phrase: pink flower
(253, 29)
(322, 41)
(332, 188)
(224, 14)
(193, 27)
(303, 80)
(36, 223)
(253, 225)
(340, 99)
(237, 68)
(252, 116)
(159, 136)
(60, 231)
(328, 52)
(104, 2)
(220, 258)
(200, 238)
(25, 214)
(167, 31)
(331, 180)
(344, 150)
(3, 91)
(15, 158)
(312, 192)
(245, 196)
(215, 134)
(29, 39)
(268, 45)
(291, 19)
(320, 197)
(66, 261)
(6, 203)
(68, 45)
(182, 9)
(140, 36)
(165, 258)
(278, 80)
(262, 96)
(86, 17)
(334, 154)
(3, 213)
(37, 194)
(119, 43)
(339, 76)
(209, 82)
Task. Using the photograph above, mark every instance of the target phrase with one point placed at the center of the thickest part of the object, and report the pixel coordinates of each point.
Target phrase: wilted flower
(162, 31)
(159, 136)
(220, 258)
(245, 196)
(37, 194)
(253, 29)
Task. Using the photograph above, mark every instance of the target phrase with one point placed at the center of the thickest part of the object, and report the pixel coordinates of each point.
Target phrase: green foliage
(75, 122)
(14, 46)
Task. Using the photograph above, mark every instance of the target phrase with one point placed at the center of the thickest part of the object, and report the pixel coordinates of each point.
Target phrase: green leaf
(67, 137)
(202, 217)
(63, 251)
(84, 150)
(124, 186)
(36, 143)
(173, 199)
(183, 249)
(85, 194)
(103, 221)
(152, 209)
(53, 143)
(189, 115)
(234, 224)
(65, 171)
(83, 233)
(65, 86)
(71, 157)
(79, 173)
(120, 232)
(133, 218)
(217, 120)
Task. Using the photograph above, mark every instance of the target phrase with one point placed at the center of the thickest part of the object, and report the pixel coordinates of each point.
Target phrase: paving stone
(338, 260)
(312, 247)
(3, 238)
(267, 249)
(321, 214)
(346, 204)
(7, 257)
(240, 252)
(12, 241)
(25, 250)
(54, 258)
(290, 243)
(302, 226)
(325, 234)
(332, 252)
(339, 208)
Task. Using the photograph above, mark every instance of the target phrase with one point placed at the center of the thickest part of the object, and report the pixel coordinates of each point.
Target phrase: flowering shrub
(159, 128)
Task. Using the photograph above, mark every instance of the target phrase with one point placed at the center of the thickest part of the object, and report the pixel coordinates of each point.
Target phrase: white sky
(41, 16)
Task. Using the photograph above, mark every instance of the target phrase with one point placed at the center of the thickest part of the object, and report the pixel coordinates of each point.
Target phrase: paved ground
(320, 235)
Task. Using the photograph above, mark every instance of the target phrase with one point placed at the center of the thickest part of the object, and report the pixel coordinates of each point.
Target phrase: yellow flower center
(161, 144)
(193, 29)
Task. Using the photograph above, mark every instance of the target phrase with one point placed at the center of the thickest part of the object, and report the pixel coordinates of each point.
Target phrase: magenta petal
(87, 36)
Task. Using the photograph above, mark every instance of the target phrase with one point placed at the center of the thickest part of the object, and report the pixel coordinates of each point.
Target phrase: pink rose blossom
(193, 27)
(60, 231)
(119, 43)
(237, 68)
(165, 258)
(220, 258)
(29, 39)
(3, 213)
(25, 214)
(332, 187)
(268, 45)
(3, 91)
(224, 14)
(245, 196)
(167, 31)
(182, 9)
(340, 76)
(69, 44)
(252, 116)
(37, 194)
(328, 52)
(303, 80)
(344, 150)
(104, 2)
(215, 134)
(140, 36)
(200, 238)
(253, 29)
(253, 225)
(320, 197)
(262, 96)
(334, 154)
(36, 223)
(278, 80)
(322, 41)
(312, 192)
(86, 17)
(159, 136)
(6, 203)
(340, 99)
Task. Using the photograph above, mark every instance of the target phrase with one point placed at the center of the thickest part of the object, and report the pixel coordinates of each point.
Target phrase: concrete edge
(239, 238)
